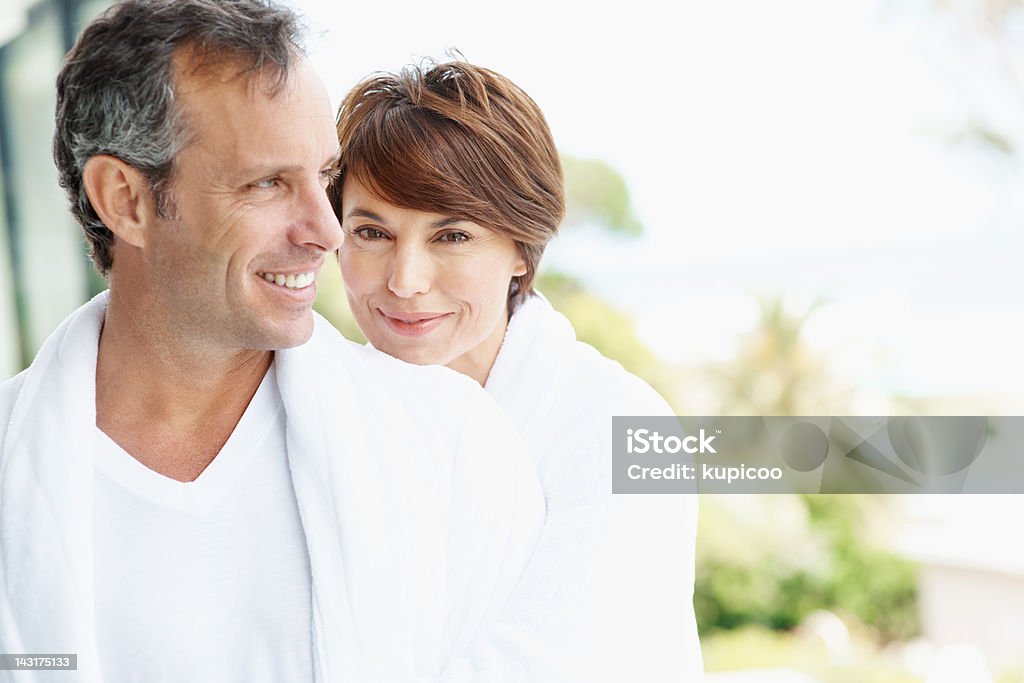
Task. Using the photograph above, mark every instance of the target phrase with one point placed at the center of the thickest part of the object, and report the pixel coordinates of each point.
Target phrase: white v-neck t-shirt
(206, 580)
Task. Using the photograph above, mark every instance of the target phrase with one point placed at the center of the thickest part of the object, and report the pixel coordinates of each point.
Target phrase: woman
(450, 186)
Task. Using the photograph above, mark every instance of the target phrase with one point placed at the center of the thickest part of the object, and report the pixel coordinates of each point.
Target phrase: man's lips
(412, 324)
(294, 285)
(291, 279)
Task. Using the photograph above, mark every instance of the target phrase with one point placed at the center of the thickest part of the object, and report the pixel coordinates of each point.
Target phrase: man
(198, 480)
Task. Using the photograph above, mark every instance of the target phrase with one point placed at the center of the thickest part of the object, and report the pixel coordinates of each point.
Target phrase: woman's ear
(121, 197)
(520, 267)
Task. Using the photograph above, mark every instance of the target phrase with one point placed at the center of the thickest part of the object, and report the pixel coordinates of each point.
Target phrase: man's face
(236, 264)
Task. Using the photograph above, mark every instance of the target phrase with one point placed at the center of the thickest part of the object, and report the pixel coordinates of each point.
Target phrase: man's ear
(121, 196)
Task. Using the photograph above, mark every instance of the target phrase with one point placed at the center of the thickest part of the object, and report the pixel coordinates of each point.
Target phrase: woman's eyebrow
(359, 212)
(445, 222)
(364, 213)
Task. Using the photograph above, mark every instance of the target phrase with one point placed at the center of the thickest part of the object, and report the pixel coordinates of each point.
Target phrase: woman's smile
(413, 324)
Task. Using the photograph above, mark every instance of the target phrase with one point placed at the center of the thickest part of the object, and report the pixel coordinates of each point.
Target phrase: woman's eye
(370, 233)
(454, 236)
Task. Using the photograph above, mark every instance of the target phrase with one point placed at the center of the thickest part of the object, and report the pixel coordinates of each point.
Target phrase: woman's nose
(410, 272)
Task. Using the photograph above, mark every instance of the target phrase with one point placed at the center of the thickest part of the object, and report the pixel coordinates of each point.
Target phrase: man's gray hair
(116, 91)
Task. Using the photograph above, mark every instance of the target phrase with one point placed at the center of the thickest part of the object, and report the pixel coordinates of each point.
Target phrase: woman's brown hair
(458, 140)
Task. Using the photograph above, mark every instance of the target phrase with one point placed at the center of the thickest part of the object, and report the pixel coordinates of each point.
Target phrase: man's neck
(171, 408)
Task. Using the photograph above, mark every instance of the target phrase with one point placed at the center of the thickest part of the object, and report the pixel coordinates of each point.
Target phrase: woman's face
(423, 287)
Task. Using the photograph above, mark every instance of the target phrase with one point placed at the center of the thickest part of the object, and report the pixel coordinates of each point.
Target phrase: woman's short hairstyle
(459, 140)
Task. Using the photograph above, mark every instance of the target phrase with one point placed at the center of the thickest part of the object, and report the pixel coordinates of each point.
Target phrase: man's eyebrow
(266, 170)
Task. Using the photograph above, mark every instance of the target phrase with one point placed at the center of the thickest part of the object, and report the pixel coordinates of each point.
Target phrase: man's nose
(319, 226)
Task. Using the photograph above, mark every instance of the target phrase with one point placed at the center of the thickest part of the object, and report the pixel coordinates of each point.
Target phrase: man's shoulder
(378, 372)
(428, 414)
(435, 402)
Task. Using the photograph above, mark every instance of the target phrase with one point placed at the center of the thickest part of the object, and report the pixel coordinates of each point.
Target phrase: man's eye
(266, 183)
(454, 236)
(370, 233)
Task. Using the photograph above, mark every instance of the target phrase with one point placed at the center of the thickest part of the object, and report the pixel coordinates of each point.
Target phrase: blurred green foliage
(874, 585)
(1014, 676)
(595, 193)
(774, 372)
(772, 560)
(332, 302)
(998, 21)
(754, 647)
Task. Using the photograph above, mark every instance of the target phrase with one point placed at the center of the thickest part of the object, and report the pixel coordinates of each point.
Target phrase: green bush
(773, 560)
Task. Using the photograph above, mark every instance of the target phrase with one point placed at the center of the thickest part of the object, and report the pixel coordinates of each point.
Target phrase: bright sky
(798, 147)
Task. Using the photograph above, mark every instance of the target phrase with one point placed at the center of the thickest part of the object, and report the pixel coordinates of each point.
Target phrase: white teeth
(292, 281)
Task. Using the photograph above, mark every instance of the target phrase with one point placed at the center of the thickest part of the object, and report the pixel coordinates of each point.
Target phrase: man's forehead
(194, 69)
(238, 127)
(212, 90)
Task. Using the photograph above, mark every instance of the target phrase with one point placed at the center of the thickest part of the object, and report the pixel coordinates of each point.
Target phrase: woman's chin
(417, 354)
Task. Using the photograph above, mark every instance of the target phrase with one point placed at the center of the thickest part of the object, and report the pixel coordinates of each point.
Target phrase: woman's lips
(412, 324)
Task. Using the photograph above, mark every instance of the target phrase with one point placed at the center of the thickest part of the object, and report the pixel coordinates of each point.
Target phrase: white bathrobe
(418, 505)
(608, 595)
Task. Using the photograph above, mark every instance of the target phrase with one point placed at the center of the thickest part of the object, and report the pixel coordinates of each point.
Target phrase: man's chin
(299, 339)
(288, 336)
